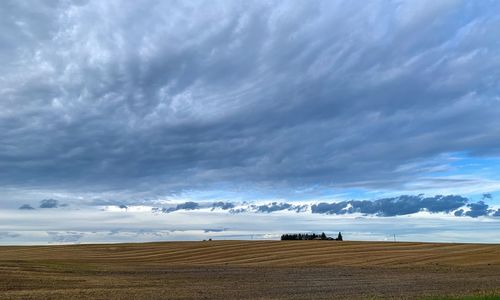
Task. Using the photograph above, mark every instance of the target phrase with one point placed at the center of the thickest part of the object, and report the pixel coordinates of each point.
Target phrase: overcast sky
(149, 113)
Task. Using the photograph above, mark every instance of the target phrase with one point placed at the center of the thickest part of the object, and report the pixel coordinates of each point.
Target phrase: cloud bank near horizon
(261, 221)
(453, 205)
(386, 207)
(440, 218)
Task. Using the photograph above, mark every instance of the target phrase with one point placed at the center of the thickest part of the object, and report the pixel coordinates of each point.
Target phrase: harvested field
(249, 270)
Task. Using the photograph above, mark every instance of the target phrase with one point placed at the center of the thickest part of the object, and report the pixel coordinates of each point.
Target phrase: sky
(184, 120)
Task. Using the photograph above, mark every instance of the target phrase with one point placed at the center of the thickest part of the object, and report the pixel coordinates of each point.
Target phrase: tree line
(309, 236)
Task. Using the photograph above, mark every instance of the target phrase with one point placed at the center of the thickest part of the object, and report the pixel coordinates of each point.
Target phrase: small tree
(339, 237)
(323, 236)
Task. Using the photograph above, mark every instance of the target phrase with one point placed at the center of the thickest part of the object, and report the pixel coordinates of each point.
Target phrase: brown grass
(249, 269)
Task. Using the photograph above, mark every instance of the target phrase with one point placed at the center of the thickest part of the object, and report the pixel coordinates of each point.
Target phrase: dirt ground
(249, 270)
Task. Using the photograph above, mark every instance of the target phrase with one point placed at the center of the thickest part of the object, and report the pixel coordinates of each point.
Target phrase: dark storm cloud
(487, 196)
(222, 205)
(94, 95)
(442, 203)
(329, 208)
(402, 205)
(49, 203)
(190, 205)
(478, 209)
(186, 206)
(273, 207)
(26, 207)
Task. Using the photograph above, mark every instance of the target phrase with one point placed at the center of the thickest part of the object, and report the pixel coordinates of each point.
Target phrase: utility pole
(394, 237)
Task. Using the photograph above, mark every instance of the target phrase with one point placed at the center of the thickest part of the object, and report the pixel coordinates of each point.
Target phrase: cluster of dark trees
(308, 236)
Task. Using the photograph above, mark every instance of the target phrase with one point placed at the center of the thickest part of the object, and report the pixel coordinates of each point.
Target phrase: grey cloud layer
(254, 94)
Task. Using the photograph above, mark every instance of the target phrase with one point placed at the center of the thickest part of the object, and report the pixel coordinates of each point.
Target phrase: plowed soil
(250, 270)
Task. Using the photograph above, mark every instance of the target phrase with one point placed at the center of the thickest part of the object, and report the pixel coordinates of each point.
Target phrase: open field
(249, 270)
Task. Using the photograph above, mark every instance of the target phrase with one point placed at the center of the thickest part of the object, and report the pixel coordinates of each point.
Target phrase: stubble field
(250, 270)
